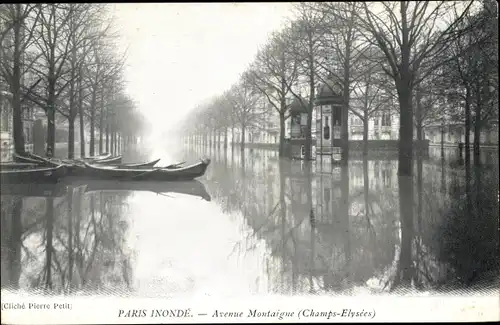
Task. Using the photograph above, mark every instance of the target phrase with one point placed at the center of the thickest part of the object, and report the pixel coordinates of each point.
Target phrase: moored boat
(29, 159)
(193, 187)
(17, 165)
(98, 157)
(135, 165)
(33, 175)
(149, 165)
(156, 174)
(111, 160)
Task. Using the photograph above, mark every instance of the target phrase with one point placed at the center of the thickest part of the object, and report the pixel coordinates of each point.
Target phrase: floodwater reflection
(72, 237)
(361, 228)
(255, 224)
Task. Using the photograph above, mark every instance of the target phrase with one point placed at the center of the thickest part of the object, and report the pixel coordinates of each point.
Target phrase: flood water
(256, 225)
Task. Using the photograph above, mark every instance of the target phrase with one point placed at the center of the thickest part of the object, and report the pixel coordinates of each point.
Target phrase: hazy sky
(181, 54)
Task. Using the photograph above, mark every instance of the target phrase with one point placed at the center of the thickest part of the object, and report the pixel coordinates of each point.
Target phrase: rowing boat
(33, 175)
(148, 165)
(193, 187)
(17, 165)
(30, 159)
(111, 160)
(98, 157)
(135, 165)
(156, 174)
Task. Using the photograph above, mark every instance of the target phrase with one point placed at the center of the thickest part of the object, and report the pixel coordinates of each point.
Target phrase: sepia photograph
(249, 162)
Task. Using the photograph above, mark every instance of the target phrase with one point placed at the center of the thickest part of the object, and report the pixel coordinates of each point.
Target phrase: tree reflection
(11, 241)
(342, 228)
(469, 232)
(77, 246)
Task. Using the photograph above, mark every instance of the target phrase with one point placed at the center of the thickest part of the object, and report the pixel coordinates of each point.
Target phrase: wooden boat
(35, 190)
(148, 165)
(17, 165)
(29, 159)
(112, 160)
(33, 175)
(193, 187)
(98, 157)
(135, 165)
(155, 174)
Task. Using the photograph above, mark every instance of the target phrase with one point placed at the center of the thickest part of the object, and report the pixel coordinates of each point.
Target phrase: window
(375, 121)
(386, 119)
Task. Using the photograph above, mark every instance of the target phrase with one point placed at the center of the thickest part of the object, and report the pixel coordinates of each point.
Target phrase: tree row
(429, 63)
(63, 59)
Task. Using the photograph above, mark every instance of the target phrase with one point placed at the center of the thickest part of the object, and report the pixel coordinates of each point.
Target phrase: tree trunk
(467, 125)
(312, 85)
(477, 127)
(92, 121)
(418, 113)
(404, 87)
(225, 138)
(71, 138)
(51, 129)
(101, 123)
(365, 134)
(81, 116)
(72, 95)
(405, 135)
(17, 116)
(344, 132)
(112, 144)
(107, 136)
(232, 136)
(242, 143)
(282, 134)
(17, 125)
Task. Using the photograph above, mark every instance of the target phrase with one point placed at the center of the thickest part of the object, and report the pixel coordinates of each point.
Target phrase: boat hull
(33, 175)
(155, 174)
(109, 161)
(137, 165)
(17, 165)
(104, 156)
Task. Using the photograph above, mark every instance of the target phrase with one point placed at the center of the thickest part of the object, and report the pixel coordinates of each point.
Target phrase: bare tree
(408, 34)
(305, 36)
(82, 31)
(368, 96)
(243, 100)
(19, 24)
(273, 74)
(339, 58)
(53, 42)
